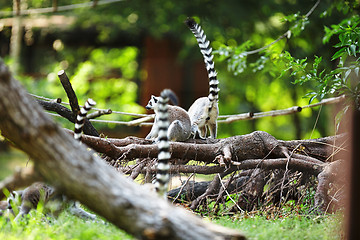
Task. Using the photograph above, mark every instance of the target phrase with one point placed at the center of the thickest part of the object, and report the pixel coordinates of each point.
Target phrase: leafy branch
(340, 80)
(237, 56)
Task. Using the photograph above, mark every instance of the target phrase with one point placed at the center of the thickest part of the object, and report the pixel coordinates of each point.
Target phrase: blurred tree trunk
(16, 35)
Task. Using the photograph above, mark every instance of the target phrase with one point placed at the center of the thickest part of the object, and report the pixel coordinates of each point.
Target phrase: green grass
(291, 227)
(67, 226)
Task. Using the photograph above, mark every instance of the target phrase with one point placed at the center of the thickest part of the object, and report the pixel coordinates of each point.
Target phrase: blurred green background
(120, 53)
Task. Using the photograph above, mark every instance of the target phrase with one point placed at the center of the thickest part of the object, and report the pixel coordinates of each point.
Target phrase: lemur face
(152, 102)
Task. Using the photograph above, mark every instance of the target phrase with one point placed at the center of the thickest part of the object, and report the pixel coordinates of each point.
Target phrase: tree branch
(68, 114)
(65, 82)
(280, 112)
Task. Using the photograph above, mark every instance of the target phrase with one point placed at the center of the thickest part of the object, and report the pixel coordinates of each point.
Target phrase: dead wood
(81, 175)
(329, 195)
(69, 115)
(256, 145)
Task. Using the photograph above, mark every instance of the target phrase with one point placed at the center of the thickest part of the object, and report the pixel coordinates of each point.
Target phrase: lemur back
(162, 175)
(205, 111)
(180, 123)
(32, 195)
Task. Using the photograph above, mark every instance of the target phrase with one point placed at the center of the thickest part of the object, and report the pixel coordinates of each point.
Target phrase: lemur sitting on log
(180, 124)
(205, 111)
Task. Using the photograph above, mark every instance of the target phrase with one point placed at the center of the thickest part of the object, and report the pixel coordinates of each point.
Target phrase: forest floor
(67, 226)
(290, 222)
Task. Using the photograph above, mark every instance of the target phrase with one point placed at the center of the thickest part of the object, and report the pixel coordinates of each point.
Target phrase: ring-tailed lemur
(163, 166)
(39, 191)
(80, 118)
(79, 124)
(205, 111)
(180, 123)
(32, 195)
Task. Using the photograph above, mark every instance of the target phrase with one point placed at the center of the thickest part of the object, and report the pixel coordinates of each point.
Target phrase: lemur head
(14, 201)
(152, 102)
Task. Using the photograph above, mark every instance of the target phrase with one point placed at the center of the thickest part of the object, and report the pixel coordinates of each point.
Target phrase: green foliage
(337, 81)
(291, 227)
(298, 22)
(236, 60)
(98, 78)
(106, 75)
(66, 226)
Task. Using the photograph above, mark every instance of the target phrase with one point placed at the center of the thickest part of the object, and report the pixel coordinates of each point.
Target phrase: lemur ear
(154, 98)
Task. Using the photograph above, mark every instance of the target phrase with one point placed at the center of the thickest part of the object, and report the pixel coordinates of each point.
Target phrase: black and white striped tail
(163, 166)
(206, 51)
(80, 118)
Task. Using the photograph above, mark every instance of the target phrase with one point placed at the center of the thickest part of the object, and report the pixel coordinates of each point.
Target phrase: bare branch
(65, 82)
(144, 118)
(281, 112)
(68, 114)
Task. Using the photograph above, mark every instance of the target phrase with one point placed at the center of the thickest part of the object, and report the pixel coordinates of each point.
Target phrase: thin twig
(286, 34)
(316, 121)
(229, 118)
(183, 186)
(285, 172)
(227, 193)
(274, 113)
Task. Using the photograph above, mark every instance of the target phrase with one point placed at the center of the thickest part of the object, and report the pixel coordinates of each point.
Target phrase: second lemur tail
(163, 166)
(80, 118)
(206, 51)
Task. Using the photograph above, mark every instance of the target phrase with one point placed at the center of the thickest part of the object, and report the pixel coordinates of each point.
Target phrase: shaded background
(122, 52)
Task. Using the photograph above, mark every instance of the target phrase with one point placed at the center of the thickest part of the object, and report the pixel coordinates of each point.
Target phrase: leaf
(312, 98)
(356, 70)
(353, 49)
(347, 73)
(339, 116)
(338, 54)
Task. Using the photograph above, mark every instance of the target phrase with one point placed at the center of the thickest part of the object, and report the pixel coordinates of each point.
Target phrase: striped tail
(206, 51)
(163, 166)
(80, 118)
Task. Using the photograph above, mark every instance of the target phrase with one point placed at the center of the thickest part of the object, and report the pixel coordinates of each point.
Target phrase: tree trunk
(67, 165)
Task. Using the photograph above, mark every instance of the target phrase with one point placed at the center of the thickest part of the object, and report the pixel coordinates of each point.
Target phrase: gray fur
(203, 115)
(180, 123)
(205, 111)
(53, 202)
